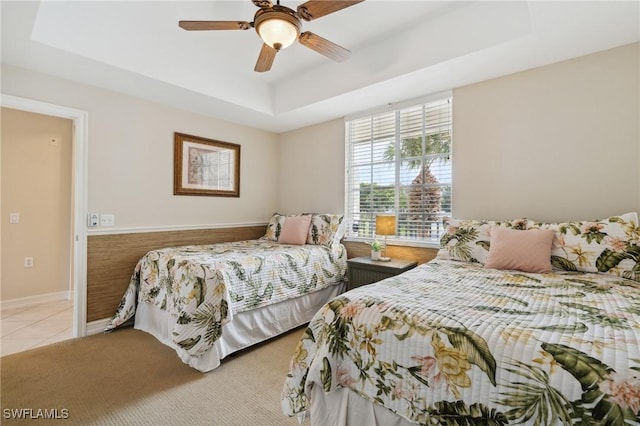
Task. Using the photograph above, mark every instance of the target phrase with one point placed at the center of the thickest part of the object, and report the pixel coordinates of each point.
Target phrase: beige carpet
(129, 378)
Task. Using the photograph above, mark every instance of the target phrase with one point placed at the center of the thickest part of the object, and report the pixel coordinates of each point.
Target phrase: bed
(468, 338)
(209, 301)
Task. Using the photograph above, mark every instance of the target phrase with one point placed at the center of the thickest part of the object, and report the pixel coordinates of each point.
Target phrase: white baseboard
(23, 302)
(97, 327)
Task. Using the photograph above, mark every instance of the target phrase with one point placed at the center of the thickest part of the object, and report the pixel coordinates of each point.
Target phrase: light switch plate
(14, 217)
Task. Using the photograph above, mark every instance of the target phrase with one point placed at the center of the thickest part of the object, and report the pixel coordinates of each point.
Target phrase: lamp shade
(277, 29)
(385, 225)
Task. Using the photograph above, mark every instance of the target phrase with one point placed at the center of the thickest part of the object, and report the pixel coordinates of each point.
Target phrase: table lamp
(385, 225)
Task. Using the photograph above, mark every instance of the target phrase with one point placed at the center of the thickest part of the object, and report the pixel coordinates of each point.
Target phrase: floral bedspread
(203, 286)
(451, 342)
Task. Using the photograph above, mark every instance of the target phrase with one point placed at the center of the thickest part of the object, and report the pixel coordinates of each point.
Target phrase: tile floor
(33, 326)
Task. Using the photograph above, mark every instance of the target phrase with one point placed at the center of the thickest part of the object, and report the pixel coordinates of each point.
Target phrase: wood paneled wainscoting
(112, 258)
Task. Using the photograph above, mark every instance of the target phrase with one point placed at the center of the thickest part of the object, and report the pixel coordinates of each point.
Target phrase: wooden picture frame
(205, 167)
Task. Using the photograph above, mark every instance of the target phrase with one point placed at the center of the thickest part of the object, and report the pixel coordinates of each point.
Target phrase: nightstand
(363, 270)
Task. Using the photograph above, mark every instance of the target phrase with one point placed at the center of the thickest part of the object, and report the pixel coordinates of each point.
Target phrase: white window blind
(399, 162)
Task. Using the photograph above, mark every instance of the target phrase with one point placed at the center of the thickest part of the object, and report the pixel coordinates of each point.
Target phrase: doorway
(79, 162)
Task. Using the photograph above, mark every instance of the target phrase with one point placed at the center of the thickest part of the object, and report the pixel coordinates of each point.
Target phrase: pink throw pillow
(295, 230)
(525, 251)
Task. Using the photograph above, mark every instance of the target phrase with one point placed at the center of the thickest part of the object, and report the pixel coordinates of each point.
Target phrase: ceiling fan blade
(324, 46)
(265, 59)
(314, 9)
(262, 3)
(214, 25)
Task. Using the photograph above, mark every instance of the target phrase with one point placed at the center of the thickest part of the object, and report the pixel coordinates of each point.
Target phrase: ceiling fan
(279, 27)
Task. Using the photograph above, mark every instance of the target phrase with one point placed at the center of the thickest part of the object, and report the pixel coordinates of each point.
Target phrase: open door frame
(79, 181)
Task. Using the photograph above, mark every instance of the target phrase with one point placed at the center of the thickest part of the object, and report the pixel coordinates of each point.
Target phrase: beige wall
(130, 161)
(130, 152)
(554, 143)
(312, 169)
(36, 183)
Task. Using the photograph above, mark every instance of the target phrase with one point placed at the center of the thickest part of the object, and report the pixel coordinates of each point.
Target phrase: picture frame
(205, 166)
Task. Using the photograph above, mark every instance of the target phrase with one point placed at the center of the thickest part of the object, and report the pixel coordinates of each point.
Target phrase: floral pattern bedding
(452, 342)
(203, 286)
(610, 245)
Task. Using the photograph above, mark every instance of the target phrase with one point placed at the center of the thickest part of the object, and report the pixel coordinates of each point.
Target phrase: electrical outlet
(92, 220)
(107, 220)
(28, 262)
(14, 217)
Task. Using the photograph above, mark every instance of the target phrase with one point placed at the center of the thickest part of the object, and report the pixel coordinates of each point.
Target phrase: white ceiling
(400, 50)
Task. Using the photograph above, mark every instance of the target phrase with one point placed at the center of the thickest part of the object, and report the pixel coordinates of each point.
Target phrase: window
(399, 162)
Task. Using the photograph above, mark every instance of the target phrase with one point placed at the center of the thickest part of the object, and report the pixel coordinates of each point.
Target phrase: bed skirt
(343, 407)
(244, 330)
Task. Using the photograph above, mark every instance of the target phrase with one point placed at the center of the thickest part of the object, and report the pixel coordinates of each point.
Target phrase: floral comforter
(203, 286)
(451, 342)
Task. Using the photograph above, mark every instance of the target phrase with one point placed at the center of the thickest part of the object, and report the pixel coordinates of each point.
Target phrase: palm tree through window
(400, 162)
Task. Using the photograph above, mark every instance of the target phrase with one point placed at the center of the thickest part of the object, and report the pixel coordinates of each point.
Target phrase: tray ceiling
(400, 50)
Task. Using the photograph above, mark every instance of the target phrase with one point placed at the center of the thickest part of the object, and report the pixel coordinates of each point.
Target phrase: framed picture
(205, 167)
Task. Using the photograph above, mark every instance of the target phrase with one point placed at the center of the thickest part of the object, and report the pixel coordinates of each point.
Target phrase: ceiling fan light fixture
(277, 29)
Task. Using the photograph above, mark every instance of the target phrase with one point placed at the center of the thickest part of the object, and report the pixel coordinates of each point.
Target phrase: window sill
(394, 242)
